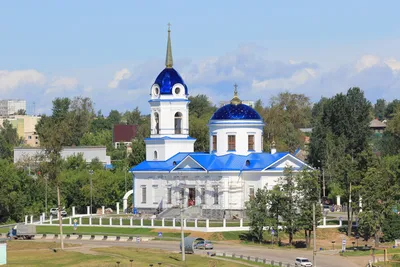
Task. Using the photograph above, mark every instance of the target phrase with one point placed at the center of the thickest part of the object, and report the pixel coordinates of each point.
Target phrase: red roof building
(123, 134)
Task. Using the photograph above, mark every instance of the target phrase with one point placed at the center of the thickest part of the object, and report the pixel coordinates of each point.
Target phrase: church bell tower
(169, 105)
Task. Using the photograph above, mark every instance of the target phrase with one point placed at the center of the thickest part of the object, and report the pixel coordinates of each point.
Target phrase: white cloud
(61, 84)
(366, 61)
(118, 77)
(393, 64)
(10, 80)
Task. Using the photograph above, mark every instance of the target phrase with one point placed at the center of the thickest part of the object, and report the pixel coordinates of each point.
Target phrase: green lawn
(99, 230)
(26, 253)
(369, 252)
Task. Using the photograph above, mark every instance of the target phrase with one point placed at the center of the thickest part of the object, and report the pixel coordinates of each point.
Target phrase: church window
(203, 195)
(250, 141)
(169, 195)
(214, 142)
(231, 142)
(182, 194)
(156, 91)
(157, 120)
(155, 155)
(144, 196)
(178, 123)
(251, 192)
(177, 90)
(155, 189)
(216, 193)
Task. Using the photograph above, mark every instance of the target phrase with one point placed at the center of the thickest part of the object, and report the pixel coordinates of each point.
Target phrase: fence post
(152, 222)
(117, 207)
(131, 221)
(184, 222)
(241, 222)
(224, 223)
(101, 221)
(324, 220)
(102, 210)
(31, 219)
(110, 221)
(90, 220)
(120, 221)
(73, 211)
(173, 222)
(88, 210)
(163, 222)
(80, 220)
(141, 221)
(26, 219)
(43, 216)
(51, 219)
(70, 220)
(195, 223)
(207, 223)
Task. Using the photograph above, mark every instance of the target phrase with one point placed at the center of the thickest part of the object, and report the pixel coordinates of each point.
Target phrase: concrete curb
(92, 238)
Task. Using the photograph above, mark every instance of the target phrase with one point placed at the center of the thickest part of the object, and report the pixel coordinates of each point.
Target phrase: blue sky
(112, 51)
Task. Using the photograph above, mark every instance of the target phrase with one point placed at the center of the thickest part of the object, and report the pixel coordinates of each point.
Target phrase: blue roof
(236, 112)
(167, 79)
(212, 162)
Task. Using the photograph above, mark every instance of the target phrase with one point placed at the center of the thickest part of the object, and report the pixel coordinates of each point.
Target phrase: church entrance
(192, 197)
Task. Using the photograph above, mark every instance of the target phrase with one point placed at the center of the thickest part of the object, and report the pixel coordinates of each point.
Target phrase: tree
(81, 115)
(309, 192)
(21, 112)
(200, 105)
(8, 140)
(391, 108)
(54, 133)
(380, 108)
(290, 200)
(132, 117)
(258, 213)
(114, 117)
(394, 123)
(380, 193)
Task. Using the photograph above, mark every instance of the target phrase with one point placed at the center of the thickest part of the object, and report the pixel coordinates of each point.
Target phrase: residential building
(124, 134)
(25, 125)
(377, 126)
(11, 106)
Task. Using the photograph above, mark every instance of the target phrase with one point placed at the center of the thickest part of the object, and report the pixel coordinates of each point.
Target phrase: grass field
(25, 253)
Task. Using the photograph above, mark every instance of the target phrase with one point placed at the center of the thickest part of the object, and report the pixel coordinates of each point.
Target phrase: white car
(54, 212)
(302, 262)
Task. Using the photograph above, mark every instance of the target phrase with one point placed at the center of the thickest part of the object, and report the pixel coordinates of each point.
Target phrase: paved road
(285, 255)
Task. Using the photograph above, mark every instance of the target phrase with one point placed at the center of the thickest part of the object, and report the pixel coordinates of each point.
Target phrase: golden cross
(235, 86)
(169, 26)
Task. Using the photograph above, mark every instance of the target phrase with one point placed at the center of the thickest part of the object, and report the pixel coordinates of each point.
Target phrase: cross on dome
(235, 100)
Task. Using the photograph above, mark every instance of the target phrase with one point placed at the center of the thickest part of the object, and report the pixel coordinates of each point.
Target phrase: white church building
(218, 181)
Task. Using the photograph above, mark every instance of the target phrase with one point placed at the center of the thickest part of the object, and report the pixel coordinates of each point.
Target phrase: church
(217, 182)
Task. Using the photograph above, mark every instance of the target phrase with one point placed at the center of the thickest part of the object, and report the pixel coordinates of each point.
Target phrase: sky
(112, 51)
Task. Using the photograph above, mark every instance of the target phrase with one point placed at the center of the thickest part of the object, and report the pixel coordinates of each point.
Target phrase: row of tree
(287, 207)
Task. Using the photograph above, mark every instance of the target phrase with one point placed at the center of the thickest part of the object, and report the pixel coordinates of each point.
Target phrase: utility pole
(315, 239)
(323, 183)
(182, 233)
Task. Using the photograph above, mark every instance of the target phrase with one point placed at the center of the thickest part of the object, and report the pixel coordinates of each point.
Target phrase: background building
(11, 106)
(25, 125)
(123, 134)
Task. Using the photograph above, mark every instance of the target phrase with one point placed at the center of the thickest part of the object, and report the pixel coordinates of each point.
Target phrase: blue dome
(236, 112)
(167, 79)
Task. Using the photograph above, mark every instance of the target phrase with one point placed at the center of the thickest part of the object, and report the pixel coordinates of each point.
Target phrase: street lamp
(91, 191)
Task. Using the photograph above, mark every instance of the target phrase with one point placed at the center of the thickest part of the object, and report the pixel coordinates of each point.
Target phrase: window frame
(250, 142)
(214, 142)
(231, 142)
(144, 194)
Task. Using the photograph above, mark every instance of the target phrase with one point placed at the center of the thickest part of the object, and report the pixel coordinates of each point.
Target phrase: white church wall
(241, 132)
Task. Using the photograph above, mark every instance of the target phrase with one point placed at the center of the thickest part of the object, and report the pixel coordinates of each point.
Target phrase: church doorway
(192, 197)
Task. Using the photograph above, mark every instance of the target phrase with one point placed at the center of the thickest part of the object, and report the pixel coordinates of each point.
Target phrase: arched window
(155, 155)
(178, 123)
(157, 120)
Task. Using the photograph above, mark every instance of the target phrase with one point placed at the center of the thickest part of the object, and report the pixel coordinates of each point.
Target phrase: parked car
(54, 212)
(302, 262)
(204, 245)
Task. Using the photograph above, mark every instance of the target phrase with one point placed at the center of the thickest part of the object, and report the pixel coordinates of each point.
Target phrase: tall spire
(235, 100)
(168, 58)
